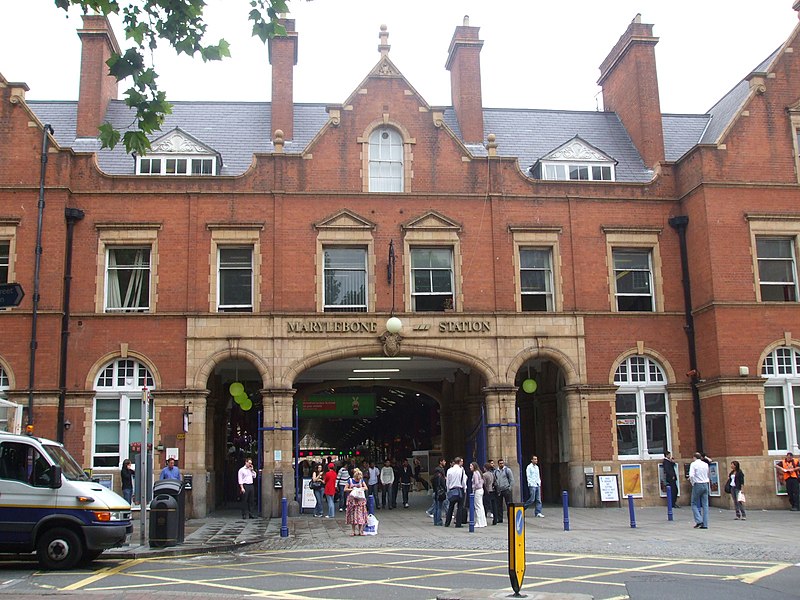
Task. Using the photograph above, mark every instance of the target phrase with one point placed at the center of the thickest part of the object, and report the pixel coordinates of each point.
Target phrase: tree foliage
(181, 24)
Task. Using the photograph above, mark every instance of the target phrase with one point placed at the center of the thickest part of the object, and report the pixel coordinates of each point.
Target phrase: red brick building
(639, 267)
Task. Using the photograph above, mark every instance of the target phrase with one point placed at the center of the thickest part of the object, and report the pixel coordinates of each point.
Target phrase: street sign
(516, 546)
(11, 294)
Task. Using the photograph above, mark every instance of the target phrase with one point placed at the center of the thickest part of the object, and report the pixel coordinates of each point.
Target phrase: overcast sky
(536, 53)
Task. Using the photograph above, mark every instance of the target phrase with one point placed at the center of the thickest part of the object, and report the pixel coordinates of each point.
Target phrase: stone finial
(384, 46)
(278, 140)
(491, 144)
(466, 21)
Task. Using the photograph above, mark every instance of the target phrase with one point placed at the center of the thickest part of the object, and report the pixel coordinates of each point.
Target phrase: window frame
(111, 250)
(378, 161)
(792, 259)
(221, 268)
(618, 272)
(364, 270)
(121, 380)
(780, 369)
(651, 379)
(548, 294)
(8, 236)
(451, 294)
(242, 235)
(635, 238)
(568, 166)
(113, 235)
(538, 237)
(144, 165)
(386, 124)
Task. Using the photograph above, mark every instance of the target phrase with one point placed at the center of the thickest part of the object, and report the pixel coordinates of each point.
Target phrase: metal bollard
(371, 504)
(472, 512)
(565, 502)
(284, 518)
(632, 511)
(669, 503)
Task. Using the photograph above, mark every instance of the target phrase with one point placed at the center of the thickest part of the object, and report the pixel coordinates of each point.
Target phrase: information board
(609, 488)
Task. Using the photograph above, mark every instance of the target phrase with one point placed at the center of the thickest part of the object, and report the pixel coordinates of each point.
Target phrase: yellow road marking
(102, 574)
(753, 577)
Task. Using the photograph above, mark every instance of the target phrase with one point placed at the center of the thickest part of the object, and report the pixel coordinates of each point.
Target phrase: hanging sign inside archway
(342, 406)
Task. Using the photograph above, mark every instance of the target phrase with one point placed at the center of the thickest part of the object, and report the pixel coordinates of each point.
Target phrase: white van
(50, 506)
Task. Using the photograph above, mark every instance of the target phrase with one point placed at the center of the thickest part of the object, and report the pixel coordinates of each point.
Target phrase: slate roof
(238, 130)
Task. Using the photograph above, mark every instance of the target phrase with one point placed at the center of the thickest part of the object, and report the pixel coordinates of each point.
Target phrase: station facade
(639, 267)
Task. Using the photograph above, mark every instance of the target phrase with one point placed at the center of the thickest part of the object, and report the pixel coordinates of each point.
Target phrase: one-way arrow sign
(11, 294)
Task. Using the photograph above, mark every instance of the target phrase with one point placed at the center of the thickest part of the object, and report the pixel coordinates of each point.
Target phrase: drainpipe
(73, 215)
(48, 130)
(679, 224)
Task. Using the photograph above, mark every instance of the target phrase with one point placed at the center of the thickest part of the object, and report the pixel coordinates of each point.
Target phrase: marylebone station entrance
(369, 409)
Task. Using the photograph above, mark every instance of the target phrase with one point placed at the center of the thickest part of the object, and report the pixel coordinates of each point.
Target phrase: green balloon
(246, 404)
(239, 398)
(236, 389)
(529, 385)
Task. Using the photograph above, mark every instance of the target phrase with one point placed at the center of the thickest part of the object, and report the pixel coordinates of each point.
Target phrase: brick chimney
(464, 64)
(97, 87)
(630, 88)
(283, 58)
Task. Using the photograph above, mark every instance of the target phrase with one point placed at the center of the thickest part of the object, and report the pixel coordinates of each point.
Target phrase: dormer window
(177, 153)
(575, 161)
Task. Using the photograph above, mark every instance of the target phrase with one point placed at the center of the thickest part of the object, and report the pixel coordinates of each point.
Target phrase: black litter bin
(167, 510)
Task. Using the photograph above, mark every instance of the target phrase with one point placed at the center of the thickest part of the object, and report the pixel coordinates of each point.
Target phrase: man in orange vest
(789, 468)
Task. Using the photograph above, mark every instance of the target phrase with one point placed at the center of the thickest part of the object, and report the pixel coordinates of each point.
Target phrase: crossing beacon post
(516, 546)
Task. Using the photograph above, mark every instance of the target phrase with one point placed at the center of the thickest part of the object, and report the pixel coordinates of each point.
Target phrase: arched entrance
(231, 426)
(544, 424)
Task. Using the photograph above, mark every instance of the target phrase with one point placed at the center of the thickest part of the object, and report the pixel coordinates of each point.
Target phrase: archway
(544, 424)
(231, 426)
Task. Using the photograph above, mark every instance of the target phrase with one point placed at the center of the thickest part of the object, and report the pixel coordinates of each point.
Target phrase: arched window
(118, 412)
(385, 160)
(642, 409)
(781, 369)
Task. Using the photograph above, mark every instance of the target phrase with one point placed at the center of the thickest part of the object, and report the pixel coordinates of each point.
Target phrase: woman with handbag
(735, 487)
(317, 486)
(356, 515)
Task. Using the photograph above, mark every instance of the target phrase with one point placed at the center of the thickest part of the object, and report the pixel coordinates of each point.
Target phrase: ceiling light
(385, 358)
(376, 370)
(368, 378)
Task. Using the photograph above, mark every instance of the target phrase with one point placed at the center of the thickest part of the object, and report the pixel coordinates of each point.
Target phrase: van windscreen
(69, 467)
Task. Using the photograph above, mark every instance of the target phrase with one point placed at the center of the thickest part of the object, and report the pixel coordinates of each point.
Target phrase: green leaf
(109, 137)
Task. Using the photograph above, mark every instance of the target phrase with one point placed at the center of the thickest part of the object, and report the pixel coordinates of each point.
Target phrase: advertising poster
(631, 480)
(713, 477)
(780, 486)
(309, 500)
(337, 406)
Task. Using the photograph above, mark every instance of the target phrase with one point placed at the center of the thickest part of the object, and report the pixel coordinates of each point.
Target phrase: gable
(432, 220)
(578, 150)
(345, 220)
(178, 141)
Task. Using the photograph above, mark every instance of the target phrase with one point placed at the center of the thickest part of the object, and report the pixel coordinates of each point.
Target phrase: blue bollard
(669, 503)
(632, 511)
(565, 502)
(371, 504)
(472, 512)
(284, 518)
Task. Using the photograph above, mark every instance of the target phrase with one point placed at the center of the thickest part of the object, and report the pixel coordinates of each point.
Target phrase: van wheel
(59, 549)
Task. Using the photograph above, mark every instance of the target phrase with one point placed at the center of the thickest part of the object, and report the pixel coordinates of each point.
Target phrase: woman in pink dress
(356, 515)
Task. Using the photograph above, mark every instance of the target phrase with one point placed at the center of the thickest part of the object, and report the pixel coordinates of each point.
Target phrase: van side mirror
(55, 477)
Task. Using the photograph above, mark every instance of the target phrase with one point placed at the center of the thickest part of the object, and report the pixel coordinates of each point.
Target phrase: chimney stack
(630, 88)
(464, 64)
(97, 87)
(283, 58)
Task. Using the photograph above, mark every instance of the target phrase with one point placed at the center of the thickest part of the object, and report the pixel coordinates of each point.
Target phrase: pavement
(765, 535)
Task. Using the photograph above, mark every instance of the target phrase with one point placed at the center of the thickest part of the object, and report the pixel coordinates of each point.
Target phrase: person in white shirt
(247, 476)
(387, 479)
(456, 490)
(373, 475)
(698, 477)
(534, 486)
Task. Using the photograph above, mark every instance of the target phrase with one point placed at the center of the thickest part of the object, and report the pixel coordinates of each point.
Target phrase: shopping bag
(371, 528)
